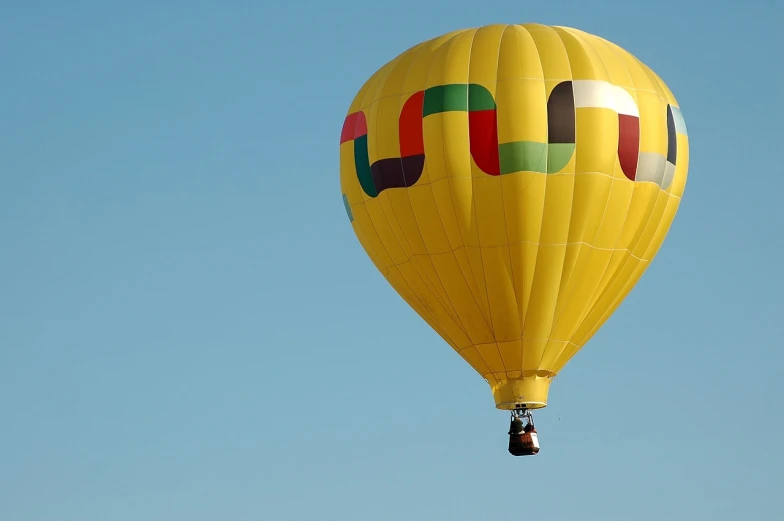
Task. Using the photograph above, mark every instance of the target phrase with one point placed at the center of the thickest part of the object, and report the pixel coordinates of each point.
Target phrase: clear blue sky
(189, 329)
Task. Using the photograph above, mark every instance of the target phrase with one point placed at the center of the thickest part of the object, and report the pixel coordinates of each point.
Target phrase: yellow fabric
(515, 271)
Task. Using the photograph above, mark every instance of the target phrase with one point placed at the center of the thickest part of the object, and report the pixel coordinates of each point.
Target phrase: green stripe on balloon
(531, 156)
(362, 162)
(457, 97)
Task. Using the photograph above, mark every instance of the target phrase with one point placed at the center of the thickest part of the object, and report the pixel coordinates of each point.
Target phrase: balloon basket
(523, 439)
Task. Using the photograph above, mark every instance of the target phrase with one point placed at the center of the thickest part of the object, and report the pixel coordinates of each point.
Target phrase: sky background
(189, 329)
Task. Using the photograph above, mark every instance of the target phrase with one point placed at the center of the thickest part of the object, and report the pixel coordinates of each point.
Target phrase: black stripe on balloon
(672, 138)
(560, 114)
(396, 172)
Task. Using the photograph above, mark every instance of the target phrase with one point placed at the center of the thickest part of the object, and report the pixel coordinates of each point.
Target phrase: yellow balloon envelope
(512, 183)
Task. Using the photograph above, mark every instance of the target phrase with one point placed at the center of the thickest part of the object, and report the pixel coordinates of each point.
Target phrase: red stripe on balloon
(354, 125)
(628, 144)
(483, 137)
(412, 141)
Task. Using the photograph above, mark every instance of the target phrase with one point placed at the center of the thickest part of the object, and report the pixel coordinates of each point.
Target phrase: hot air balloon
(512, 183)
